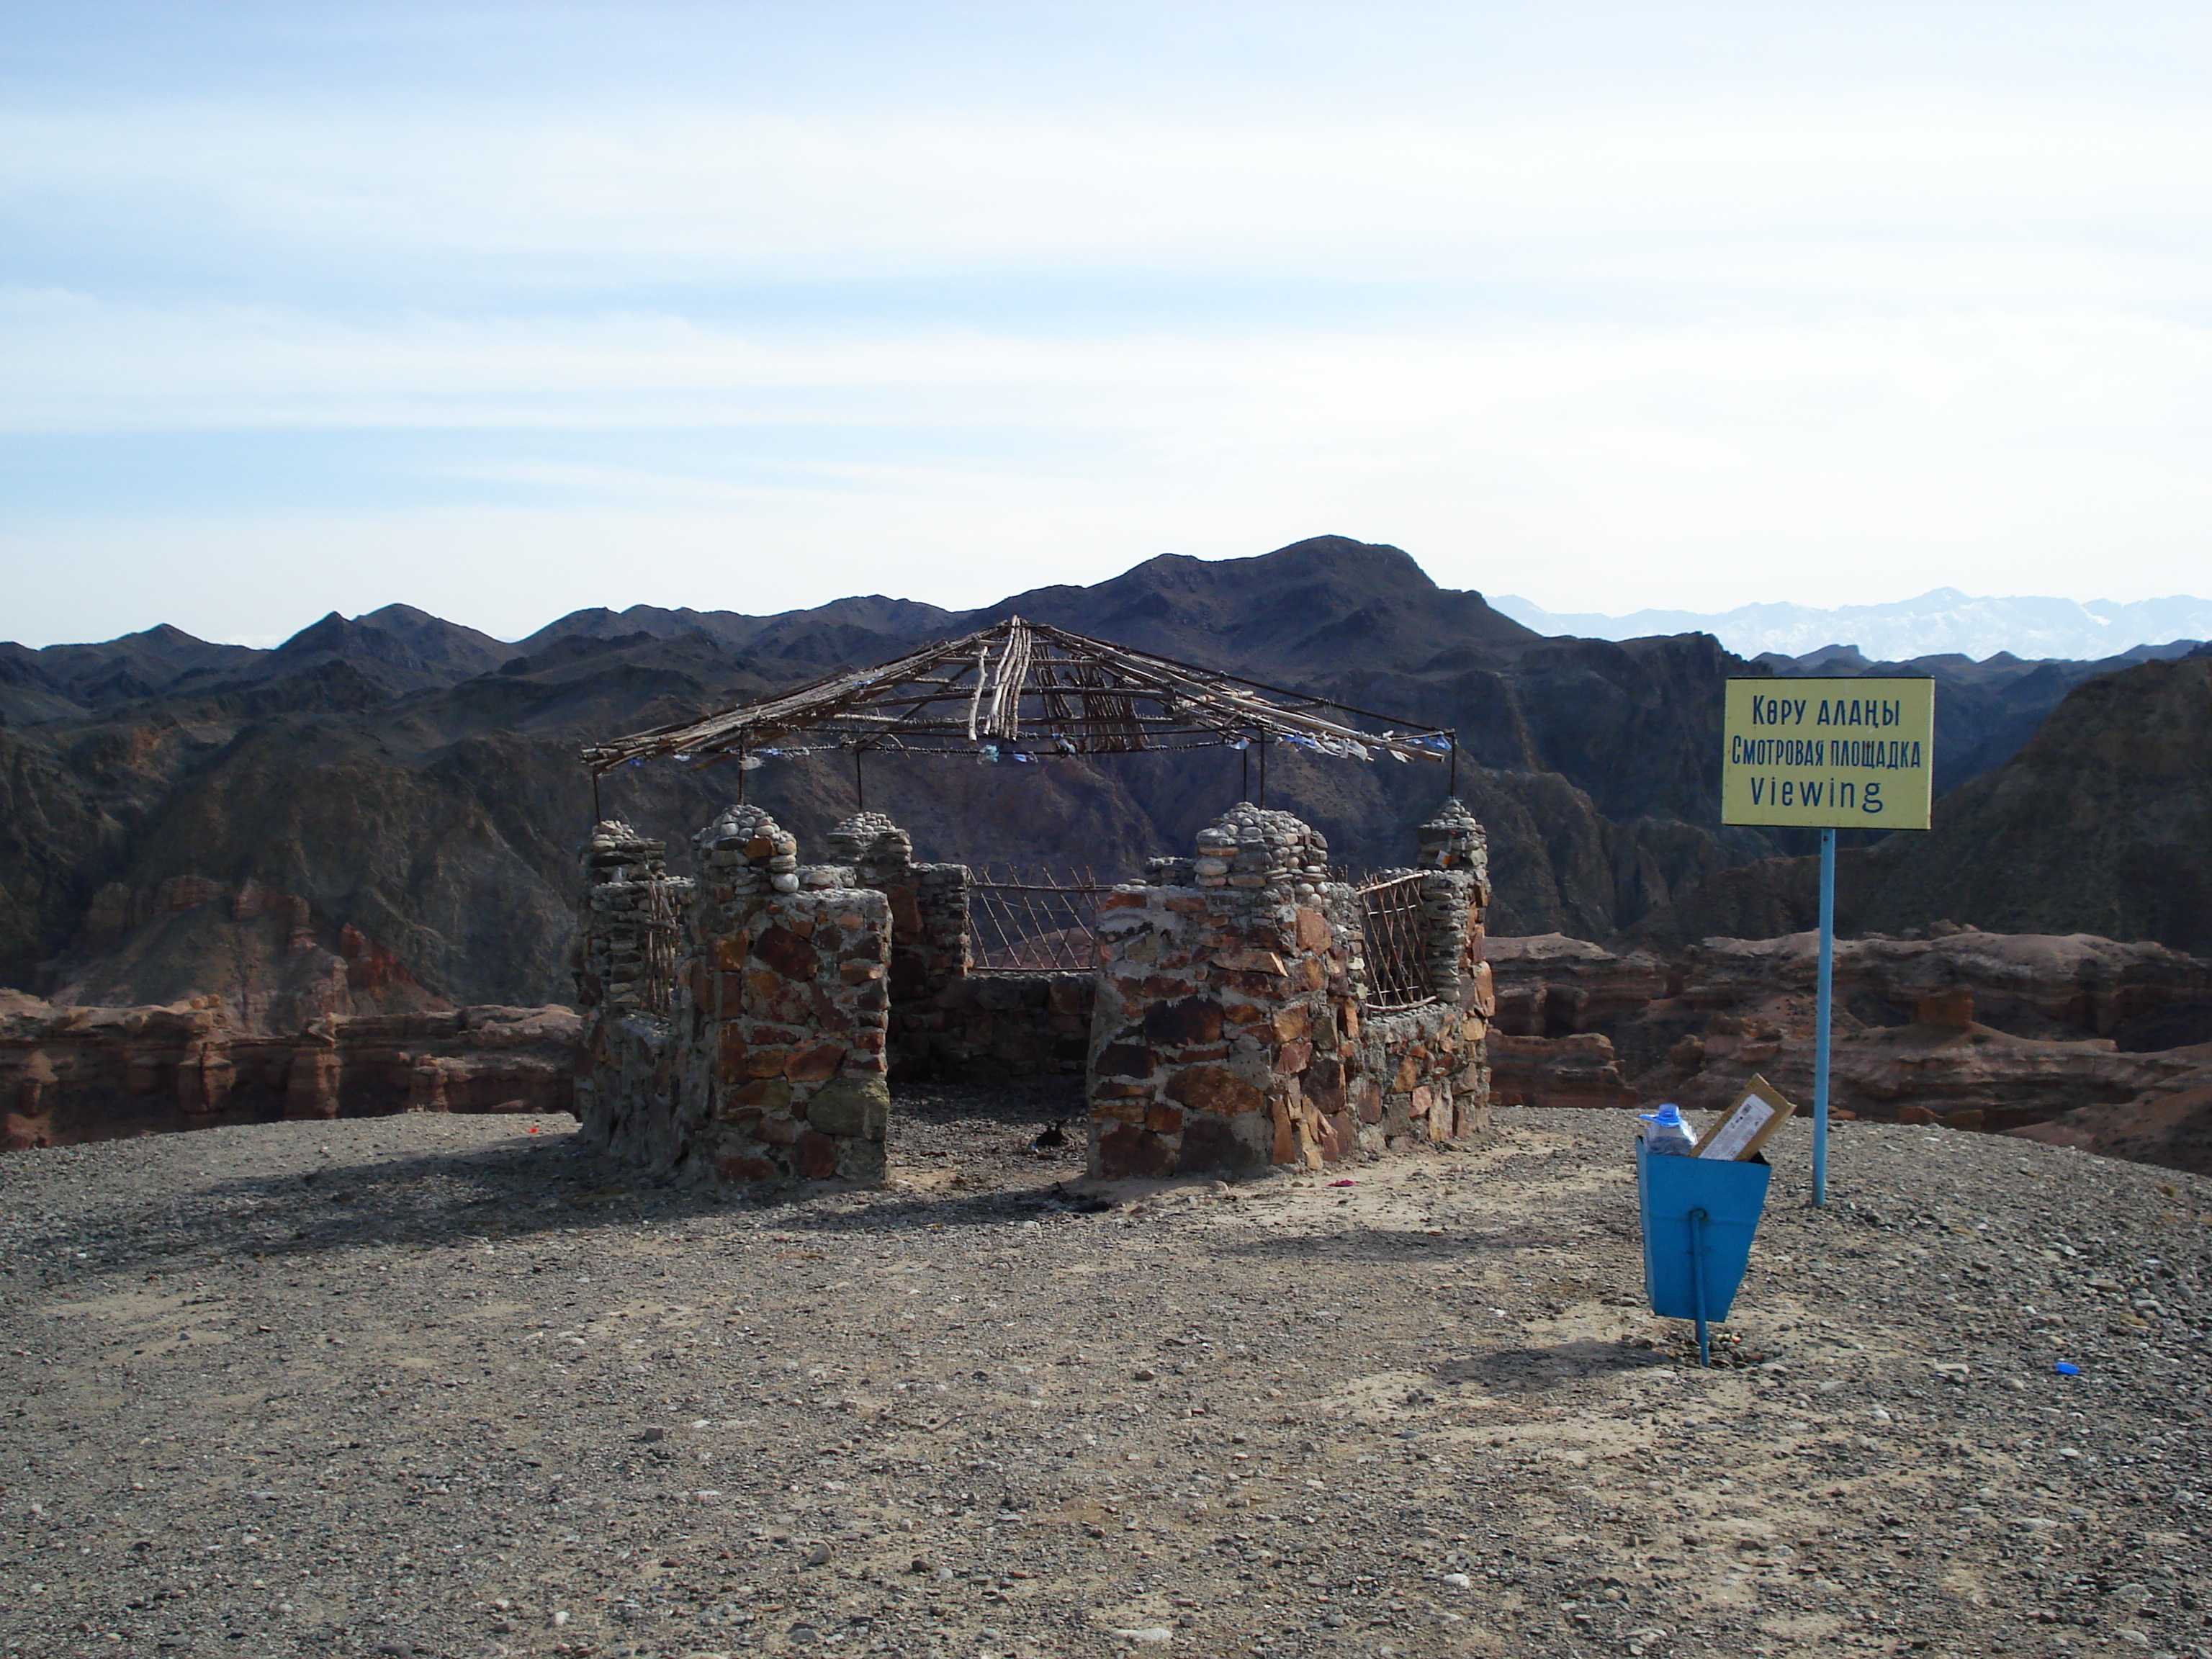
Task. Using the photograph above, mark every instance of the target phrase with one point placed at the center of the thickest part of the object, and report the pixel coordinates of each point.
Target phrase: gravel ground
(447, 1385)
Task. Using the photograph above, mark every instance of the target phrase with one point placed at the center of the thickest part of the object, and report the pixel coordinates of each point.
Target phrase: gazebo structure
(1238, 1007)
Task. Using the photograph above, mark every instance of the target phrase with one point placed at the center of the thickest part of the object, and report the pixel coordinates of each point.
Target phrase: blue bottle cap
(2067, 1368)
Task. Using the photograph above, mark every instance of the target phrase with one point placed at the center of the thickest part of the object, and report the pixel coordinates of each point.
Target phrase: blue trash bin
(1699, 1214)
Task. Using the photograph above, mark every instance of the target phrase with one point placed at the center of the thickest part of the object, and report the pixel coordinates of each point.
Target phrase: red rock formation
(1580, 1070)
(71, 1074)
(260, 950)
(2061, 986)
(1549, 985)
(2170, 1126)
(1974, 1030)
(1958, 1072)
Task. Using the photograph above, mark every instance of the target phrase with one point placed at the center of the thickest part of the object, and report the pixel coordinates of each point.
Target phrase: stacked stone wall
(628, 896)
(1004, 1025)
(1423, 1072)
(928, 908)
(626, 1093)
(1228, 1027)
(1231, 1030)
(769, 1066)
(949, 1022)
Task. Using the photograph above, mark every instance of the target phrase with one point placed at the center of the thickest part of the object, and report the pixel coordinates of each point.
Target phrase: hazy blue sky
(504, 310)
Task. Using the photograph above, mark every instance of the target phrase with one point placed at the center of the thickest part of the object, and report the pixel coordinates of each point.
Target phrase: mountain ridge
(418, 782)
(1943, 620)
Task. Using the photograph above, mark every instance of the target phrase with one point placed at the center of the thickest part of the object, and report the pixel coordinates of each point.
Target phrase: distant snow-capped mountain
(1944, 620)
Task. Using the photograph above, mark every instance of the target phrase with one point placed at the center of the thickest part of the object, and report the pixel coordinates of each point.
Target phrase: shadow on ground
(969, 1150)
(1533, 1370)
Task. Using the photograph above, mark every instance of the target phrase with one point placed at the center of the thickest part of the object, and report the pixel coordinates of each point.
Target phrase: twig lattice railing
(657, 928)
(1040, 922)
(1393, 937)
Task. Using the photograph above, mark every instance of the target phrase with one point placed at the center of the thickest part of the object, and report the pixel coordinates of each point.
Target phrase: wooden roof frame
(1031, 689)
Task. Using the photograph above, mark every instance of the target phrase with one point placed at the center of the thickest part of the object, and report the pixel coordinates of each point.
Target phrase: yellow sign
(1829, 754)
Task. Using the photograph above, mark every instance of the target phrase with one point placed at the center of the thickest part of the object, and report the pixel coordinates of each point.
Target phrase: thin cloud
(1580, 195)
(1731, 303)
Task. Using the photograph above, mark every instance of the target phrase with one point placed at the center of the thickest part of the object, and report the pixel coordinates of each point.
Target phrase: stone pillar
(786, 1051)
(879, 852)
(1454, 852)
(1221, 1019)
(929, 931)
(1230, 1028)
(626, 880)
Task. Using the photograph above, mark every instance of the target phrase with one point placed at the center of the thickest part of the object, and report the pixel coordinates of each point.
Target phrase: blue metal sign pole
(1820, 1028)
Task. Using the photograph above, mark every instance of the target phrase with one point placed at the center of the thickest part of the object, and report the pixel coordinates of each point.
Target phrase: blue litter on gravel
(2067, 1368)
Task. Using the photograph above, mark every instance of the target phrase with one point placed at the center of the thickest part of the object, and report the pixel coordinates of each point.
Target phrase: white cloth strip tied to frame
(982, 682)
(1338, 746)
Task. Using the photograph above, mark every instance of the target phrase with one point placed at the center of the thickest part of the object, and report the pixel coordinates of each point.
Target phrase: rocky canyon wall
(71, 1073)
(1973, 1029)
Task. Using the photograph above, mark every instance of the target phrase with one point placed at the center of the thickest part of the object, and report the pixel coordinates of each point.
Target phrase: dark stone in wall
(1127, 1150)
(788, 954)
(1193, 1020)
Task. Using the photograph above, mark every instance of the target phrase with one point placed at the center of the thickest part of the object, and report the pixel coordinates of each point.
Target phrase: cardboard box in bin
(1748, 1125)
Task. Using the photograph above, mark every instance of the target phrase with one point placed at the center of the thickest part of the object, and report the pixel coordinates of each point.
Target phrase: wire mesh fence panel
(1391, 932)
(1036, 922)
(657, 928)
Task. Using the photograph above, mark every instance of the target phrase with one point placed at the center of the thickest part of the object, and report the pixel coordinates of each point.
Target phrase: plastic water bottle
(1664, 1131)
